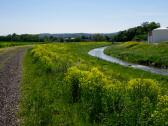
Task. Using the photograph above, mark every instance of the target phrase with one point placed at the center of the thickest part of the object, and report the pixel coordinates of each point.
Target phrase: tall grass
(63, 85)
(142, 53)
(100, 98)
(11, 44)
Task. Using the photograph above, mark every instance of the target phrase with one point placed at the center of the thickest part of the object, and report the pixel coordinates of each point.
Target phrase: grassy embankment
(63, 85)
(142, 53)
(11, 44)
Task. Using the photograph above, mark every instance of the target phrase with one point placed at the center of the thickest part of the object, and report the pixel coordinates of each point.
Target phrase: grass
(11, 44)
(142, 53)
(46, 95)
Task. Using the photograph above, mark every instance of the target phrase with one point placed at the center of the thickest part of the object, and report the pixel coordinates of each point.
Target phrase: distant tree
(137, 33)
(107, 38)
(99, 37)
(51, 39)
(55, 39)
(61, 40)
(84, 37)
(21, 38)
(46, 39)
(77, 39)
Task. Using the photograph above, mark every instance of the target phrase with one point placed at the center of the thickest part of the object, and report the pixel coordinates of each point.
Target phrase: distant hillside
(64, 37)
(74, 35)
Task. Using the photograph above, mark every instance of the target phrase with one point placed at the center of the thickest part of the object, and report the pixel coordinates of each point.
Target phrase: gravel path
(10, 78)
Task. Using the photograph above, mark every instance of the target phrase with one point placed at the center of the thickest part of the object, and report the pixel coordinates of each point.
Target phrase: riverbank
(155, 55)
(99, 53)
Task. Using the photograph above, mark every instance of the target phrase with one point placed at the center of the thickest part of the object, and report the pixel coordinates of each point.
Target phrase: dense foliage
(64, 86)
(138, 33)
(82, 38)
(49, 38)
(20, 38)
(131, 104)
(141, 53)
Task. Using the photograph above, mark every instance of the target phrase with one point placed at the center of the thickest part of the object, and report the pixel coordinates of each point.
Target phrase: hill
(74, 35)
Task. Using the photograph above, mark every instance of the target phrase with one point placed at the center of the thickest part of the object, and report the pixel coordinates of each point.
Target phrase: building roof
(161, 28)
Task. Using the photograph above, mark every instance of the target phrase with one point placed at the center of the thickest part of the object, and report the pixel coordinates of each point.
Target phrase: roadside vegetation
(142, 53)
(63, 85)
(10, 44)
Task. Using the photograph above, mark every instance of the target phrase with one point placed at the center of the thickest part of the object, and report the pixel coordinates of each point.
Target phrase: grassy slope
(10, 44)
(142, 53)
(44, 100)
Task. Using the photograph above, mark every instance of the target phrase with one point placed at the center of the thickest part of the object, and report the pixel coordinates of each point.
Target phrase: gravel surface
(10, 78)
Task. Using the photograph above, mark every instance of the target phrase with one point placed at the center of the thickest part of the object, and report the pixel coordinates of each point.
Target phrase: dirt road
(10, 78)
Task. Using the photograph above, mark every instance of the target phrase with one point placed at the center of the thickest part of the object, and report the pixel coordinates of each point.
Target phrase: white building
(158, 35)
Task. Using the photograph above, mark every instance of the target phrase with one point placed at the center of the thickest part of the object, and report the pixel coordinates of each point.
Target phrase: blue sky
(66, 16)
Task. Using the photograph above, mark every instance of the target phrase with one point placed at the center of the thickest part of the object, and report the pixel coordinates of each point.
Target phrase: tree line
(94, 37)
(139, 33)
(36, 38)
(20, 38)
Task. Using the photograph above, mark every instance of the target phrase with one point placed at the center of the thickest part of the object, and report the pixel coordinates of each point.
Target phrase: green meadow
(141, 52)
(64, 86)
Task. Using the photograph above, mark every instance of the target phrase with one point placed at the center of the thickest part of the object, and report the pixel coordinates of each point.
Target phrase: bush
(143, 94)
(114, 100)
(98, 96)
(92, 94)
(140, 88)
(110, 102)
(74, 78)
(87, 87)
(160, 115)
(51, 61)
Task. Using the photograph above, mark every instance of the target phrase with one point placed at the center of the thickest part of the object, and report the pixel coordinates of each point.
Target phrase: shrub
(87, 87)
(143, 94)
(114, 100)
(106, 101)
(50, 60)
(140, 88)
(114, 97)
(74, 78)
(144, 118)
(160, 115)
(92, 94)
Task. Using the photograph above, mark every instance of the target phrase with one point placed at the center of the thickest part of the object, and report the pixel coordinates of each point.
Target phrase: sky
(78, 16)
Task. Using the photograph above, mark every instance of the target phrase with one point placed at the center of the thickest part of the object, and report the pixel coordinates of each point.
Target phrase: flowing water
(99, 53)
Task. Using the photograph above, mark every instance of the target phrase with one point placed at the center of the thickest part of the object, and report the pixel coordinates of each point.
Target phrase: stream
(99, 53)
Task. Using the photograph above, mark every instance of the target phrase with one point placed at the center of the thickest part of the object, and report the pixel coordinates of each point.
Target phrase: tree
(99, 37)
(138, 33)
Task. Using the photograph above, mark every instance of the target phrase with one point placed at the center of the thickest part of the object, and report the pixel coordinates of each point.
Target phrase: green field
(64, 86)
(11, 44)
(142, 53)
